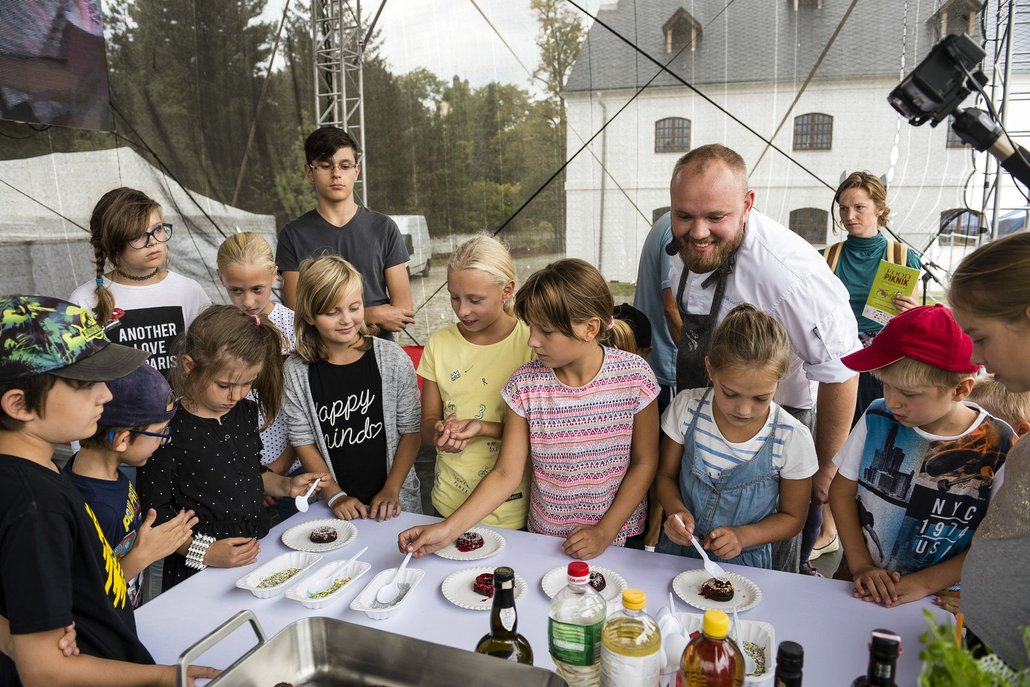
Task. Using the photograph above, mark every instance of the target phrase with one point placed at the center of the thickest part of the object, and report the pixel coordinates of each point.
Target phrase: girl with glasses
(133, 284)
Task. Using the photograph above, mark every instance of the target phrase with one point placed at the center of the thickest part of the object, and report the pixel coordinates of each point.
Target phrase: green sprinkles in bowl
(278, 578)
(337, 584)
(757, 654)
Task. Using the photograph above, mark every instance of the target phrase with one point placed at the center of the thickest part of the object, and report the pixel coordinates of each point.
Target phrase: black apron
(696, 331)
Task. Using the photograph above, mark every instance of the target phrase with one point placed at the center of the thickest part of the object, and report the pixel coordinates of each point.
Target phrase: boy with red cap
(917, 472)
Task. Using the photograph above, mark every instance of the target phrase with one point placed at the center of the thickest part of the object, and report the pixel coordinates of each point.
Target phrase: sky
(452, 37)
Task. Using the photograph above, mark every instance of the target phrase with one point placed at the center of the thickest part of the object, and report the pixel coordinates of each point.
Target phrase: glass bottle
(884, 649)
(630, 644)
(712, 659)
(504, 640)
(574, 628)
(789, 659)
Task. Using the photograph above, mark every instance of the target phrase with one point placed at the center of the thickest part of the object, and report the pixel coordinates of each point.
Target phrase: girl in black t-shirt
(213, 463)
(352, 404)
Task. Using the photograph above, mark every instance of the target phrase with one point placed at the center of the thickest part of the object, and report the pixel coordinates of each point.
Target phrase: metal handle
(216, 636)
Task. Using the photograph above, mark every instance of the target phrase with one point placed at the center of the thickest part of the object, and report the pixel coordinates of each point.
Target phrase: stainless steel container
(324, 652)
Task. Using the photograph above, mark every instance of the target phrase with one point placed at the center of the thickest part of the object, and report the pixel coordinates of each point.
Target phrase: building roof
(750, 41)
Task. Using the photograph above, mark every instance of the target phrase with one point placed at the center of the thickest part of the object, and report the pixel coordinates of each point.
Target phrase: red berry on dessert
(484, 585)
(470, 541)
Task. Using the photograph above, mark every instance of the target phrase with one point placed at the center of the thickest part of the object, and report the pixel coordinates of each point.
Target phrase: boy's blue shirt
(921, 497)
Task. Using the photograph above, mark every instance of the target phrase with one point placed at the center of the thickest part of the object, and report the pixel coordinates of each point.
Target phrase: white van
(416, 238)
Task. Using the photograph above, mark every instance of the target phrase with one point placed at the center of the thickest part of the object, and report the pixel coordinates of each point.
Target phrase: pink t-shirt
(579, 440)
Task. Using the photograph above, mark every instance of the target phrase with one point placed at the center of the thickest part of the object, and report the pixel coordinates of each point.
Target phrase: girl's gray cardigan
(402, 413)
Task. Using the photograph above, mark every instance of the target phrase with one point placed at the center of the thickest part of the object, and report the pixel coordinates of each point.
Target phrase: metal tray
(324, 652)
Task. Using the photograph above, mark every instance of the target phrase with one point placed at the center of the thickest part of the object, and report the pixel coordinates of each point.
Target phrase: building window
(813, 131)
(681, 32)
(672, 135)
(802, 4)
(809, 224)
(955, 17)
(961, 227)
(953, 140)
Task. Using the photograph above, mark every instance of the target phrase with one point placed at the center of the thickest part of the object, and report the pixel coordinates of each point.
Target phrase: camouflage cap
(41, 334)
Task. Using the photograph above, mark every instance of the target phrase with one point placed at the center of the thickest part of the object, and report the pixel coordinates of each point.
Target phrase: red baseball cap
(928, 334)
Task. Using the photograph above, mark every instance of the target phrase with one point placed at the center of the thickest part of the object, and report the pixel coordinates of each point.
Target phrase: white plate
(492, 543)
(322, 578)
(754, 631)
(556, 578)
(457, 589)
(286, 561)
(687, 586)
(298, 537)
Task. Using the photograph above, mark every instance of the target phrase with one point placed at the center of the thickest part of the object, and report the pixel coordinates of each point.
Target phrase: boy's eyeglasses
(160, 234)
(328, 167)
(165, 436)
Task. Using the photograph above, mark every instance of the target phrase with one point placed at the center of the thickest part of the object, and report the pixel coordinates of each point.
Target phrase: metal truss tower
(338, 42)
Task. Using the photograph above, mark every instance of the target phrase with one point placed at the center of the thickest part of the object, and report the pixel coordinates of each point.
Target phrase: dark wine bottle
(884, 649)
(504, 640)
(789, 659)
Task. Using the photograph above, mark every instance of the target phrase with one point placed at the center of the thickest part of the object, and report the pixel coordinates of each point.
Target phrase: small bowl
(366, 600)
(754, 631)
(296, 559)
(322, 578)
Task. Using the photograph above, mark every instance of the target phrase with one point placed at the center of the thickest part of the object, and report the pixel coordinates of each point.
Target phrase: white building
(752, 58)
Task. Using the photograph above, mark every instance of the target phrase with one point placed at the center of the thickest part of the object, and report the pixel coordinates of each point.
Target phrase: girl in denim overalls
(735, 467)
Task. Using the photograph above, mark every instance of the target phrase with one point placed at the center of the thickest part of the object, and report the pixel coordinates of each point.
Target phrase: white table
(821, 615)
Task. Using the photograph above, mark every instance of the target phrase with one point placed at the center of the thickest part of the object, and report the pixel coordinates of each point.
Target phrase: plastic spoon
(302, 501)
(331, 575)
(389, 593)
(749, 663)
(713, 568)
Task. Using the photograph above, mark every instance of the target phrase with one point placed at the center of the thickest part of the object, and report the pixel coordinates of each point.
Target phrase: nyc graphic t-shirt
(149, 317)
(349, 402)
(922, 496)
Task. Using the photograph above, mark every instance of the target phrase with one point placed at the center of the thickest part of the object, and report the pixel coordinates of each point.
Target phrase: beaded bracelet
(198, 549)
(329, 501)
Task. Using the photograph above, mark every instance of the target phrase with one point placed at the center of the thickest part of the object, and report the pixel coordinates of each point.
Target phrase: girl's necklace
(143, 278)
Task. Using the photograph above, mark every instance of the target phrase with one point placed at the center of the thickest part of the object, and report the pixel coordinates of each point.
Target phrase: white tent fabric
(41, 252)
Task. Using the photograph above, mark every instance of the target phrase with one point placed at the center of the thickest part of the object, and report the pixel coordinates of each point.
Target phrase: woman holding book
(861, 204)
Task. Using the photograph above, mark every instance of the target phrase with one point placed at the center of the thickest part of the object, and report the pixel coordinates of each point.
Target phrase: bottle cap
(716, 624)
(503, 577)
(578, 572)
(634, 599)
(789, 658)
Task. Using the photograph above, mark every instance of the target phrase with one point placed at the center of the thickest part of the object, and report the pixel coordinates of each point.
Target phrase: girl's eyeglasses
(160, 234)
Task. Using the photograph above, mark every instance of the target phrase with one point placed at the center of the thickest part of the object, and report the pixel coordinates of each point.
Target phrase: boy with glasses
(339, 226)
(134, 424)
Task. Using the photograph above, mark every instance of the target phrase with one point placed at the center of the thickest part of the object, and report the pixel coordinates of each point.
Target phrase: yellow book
(890, 279)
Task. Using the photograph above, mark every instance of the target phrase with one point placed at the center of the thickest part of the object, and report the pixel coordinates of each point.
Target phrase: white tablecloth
(821, 615)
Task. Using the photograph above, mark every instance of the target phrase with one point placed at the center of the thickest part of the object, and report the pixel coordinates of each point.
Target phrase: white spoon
(389, 593)
(713, 568)
(337, 568)
(302, 501)
(749, 663)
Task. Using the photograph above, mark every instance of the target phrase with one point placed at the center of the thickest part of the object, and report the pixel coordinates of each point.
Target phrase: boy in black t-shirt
(133, 426)
(56, 567)
(339, 226)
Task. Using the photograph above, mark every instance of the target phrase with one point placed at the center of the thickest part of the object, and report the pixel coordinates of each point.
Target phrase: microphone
(672, 248)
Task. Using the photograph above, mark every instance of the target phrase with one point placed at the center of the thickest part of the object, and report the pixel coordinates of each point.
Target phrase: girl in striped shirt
(736, 467)
(585, 416)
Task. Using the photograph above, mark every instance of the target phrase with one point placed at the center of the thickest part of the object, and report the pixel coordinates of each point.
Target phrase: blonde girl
(133, 284)
(247, 271)
(351, 398)
(212, 465)
(736, 469)
(464, 368)
(990, 299)
(583, 414)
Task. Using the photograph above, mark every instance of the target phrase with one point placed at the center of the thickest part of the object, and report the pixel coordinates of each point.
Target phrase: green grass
(622, 292)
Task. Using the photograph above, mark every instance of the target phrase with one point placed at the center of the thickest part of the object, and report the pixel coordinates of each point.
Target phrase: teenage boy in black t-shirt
(56, 567)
